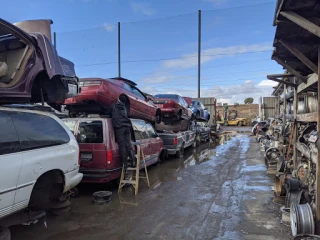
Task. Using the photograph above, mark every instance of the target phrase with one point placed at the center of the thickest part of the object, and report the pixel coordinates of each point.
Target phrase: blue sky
(159, 42)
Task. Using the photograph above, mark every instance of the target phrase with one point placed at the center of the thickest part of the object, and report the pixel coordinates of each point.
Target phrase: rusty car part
(273, 154)
(292, 184)
(280, 200)
(292, 197)
(302, 221)
(279, 189)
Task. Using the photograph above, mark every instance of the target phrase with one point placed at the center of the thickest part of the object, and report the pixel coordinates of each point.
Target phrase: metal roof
(297, 36)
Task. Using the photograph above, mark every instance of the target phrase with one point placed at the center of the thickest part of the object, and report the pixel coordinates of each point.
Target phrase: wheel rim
(302, 221)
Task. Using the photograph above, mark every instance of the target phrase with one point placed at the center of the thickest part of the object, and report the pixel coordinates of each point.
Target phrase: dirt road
(214, 192)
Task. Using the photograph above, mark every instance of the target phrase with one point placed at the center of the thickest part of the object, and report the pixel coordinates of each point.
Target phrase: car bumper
(169, 110)
(72, 179)
(172, 150)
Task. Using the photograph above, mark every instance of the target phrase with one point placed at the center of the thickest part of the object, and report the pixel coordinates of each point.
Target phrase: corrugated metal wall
(210, 104)
(269, 106)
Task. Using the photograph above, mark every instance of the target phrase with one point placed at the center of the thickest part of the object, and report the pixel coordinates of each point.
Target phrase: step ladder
(134, 178)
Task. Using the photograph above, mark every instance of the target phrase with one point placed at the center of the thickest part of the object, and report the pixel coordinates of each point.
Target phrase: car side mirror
(149, 98)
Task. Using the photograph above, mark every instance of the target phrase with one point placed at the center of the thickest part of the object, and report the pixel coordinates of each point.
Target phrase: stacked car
(45, 157)
(38, 152)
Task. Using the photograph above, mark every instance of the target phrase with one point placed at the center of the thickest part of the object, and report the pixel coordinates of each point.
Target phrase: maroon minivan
(100, 160)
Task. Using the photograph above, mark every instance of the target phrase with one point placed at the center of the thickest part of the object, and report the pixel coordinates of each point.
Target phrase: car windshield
(192, 103)
(169, 96)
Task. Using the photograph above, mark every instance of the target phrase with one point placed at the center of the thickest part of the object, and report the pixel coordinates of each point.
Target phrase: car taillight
(109, 157)
(175, 141)
(90, 83)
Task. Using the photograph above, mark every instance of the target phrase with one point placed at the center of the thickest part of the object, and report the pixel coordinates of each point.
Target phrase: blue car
(199, 110)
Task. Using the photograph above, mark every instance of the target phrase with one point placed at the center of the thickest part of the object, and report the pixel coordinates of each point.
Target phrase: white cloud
(267, 83)
(209, 54)
(142, 7)
(108, 27)
(227, 94)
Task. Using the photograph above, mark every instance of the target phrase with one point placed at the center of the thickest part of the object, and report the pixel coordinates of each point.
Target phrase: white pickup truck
(39, 159)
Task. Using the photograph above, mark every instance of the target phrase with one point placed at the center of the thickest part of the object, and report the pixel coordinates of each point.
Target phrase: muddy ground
(217, 191)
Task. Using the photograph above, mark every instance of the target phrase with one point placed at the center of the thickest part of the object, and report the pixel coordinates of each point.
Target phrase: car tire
(197, 115)
(5, 233)
(208, 118)
(180, 153)
(239, 124)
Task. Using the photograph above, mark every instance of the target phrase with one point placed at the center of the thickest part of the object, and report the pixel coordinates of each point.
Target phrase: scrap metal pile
(294, 183)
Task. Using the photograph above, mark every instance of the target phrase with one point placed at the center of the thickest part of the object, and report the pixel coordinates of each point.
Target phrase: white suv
(39, 160)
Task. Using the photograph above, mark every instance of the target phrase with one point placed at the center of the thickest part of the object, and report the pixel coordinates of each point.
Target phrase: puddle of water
(257, 188)
(254, 168)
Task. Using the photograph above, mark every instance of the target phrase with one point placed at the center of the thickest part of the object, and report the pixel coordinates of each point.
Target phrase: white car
(39, 159)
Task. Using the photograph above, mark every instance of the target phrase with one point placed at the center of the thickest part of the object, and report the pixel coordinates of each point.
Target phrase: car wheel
(208, 118)
(180, 153)
(198, 115)
(239, 124)
(5, 233)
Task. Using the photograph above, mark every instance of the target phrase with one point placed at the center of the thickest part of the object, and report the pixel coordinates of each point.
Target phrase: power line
(168, 17)
(166, 59)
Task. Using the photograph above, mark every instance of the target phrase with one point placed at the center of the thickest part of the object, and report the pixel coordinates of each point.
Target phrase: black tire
(180, 153)
(208, 118)
(239, 124)
(5, 233)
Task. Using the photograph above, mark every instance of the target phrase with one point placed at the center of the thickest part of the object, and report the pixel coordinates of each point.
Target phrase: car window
(38, 131)
(90, 132)
(140, 130)
(151, 132)
(169, 96)
(9, 141)
(127, 87)
(137, 92)
(192, 103)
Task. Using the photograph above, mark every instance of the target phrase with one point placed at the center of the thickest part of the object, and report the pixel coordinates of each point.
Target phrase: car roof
(125, 80)
(96, 118)
(39, 112)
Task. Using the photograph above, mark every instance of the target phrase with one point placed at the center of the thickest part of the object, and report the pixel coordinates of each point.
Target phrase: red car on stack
(98, 94)
(173, 106)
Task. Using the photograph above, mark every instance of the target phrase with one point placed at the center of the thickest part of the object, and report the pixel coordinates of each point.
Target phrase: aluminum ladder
(134, 178)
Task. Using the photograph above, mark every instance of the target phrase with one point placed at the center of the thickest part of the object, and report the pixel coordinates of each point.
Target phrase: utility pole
(119, 52)
(199, 50)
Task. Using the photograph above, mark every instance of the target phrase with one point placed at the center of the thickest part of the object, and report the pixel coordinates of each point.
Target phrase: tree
(248, 100)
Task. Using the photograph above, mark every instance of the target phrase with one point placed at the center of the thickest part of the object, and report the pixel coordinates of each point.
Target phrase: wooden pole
(318, 163)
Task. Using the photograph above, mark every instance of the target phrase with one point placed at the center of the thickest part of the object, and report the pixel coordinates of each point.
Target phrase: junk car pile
(43, 157)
